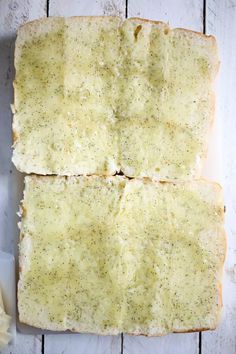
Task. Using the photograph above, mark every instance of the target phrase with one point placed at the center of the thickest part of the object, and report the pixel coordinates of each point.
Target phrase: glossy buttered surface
(111, 255)
(97, 95)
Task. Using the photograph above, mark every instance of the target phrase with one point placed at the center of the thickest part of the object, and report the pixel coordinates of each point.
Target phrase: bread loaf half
(94, 95)
(110, 255)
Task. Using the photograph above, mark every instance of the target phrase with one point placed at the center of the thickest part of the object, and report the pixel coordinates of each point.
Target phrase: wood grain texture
(81, 344)
(179, 13)
(221, 22)
(170, 344)
(187, 14)
(84, 343)
(12, 15)
(87, 8)
(24, 344)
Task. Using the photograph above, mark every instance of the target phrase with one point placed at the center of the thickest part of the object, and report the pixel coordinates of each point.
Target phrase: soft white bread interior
(64, 96)
(110, 255)
(94, 95)
(167, 99)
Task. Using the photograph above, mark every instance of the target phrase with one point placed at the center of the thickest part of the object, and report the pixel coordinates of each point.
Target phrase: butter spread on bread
(110, 255)
(95, 95)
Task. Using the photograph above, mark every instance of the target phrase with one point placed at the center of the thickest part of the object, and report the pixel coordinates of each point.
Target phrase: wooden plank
(187, 14)
(84, 343)
(81, 344)
(12, 15)
(179, 13)
(24, 343)
(221, 22)
(87, 8)
(170, 344)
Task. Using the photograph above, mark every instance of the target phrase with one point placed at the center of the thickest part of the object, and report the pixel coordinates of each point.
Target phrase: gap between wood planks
(42, 346)
(47, 8)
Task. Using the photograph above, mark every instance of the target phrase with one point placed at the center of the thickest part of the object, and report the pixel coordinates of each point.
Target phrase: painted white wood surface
(221, 22)
(12, 15)
(83, 343)
(87, 8)
(179, 13)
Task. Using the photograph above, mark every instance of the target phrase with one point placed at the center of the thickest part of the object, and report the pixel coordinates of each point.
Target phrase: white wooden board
(179, 13)
(87, 8)
(221, 21)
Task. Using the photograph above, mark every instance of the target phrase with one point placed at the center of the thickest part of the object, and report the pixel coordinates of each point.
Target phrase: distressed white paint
(221, 22)
(87, 8)
(170, 344)
(84, 343)
(12, 15)
(179, 13)
(81, 344)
